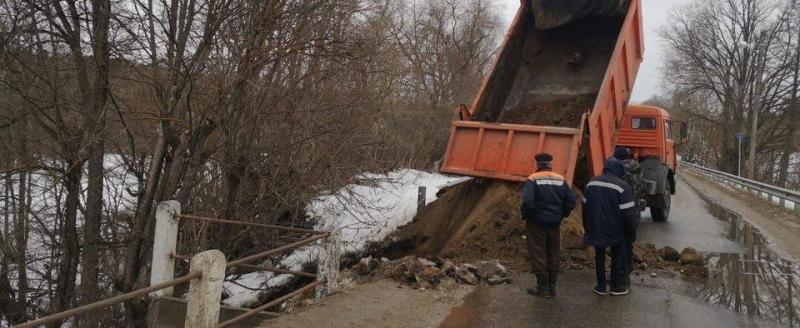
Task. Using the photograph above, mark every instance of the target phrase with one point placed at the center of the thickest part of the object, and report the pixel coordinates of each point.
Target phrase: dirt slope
(475, 221)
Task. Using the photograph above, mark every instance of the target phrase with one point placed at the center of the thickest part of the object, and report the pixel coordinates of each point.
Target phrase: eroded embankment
(474, 221)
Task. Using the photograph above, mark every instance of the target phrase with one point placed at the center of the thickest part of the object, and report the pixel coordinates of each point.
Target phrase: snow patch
(365, 212)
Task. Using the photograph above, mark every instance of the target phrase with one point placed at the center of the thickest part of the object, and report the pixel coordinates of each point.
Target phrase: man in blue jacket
(546, 201)
(610, 223)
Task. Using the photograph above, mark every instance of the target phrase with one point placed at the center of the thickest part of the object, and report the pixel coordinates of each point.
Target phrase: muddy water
(757, 281)
(758, 286)
(467, 315)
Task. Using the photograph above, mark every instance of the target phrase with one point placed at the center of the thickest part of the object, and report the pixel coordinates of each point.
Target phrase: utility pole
(739, 137)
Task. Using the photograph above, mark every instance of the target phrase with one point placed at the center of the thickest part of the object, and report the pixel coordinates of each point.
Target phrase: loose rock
(464, 275)
(494, 280)
(670, 254)
(449, 268)
(366, 266)
(426, 262)
(690, 256)
(428, 276)
(469, 267)
(487, 269)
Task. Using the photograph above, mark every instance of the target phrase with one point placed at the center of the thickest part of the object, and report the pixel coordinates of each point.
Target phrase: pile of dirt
(689, 262)
(564, 112)
(475, 221)
(554, 13)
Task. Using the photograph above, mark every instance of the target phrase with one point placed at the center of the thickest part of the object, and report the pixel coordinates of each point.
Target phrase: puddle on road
(756, 282)
(466, 315)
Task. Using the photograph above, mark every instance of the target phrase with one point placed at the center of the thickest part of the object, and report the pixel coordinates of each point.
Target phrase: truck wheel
(661, 213)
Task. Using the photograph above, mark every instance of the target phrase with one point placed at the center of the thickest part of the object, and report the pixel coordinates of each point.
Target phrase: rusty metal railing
(163, 262)
(271, 304)
(254, 224)
(109, 301)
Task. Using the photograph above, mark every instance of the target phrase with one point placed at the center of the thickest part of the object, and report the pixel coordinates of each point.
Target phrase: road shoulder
(781, 227)
(378, 304)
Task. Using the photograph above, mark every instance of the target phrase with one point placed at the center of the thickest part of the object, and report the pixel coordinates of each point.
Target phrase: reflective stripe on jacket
(609, 208)
(546, 199)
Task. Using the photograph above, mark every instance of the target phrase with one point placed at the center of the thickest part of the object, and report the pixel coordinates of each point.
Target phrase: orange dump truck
(564, 90)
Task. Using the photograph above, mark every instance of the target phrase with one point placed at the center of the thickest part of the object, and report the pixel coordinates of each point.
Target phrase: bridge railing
(207, 271)
(781, 196)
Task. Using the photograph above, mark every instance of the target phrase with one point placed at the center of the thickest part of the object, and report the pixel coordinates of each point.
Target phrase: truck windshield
(643, 123)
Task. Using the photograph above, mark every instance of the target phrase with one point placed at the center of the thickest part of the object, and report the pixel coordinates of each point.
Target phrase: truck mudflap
(506, 151)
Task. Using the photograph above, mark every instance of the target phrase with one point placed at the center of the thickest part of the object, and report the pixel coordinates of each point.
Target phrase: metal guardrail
(782, 194)
(203, 297)
(110, 301)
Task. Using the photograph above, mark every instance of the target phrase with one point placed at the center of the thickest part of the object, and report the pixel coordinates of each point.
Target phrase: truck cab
(648, 132)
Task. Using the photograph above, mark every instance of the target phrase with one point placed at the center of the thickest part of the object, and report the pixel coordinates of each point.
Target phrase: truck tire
(660, 212)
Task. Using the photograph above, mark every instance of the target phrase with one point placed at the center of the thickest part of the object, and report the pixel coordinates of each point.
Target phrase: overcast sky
(656, 13)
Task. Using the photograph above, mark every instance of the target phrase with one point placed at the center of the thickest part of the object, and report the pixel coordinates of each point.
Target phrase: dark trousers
(628, 259)
(618, 262)
(544, 246)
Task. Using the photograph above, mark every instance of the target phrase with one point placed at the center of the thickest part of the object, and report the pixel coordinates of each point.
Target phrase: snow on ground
(370, 212)
(46, 194)
(364, 212)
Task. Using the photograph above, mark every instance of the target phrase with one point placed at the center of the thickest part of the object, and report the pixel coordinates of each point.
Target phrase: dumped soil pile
(564, 112)
(474, 221)
(689, 262)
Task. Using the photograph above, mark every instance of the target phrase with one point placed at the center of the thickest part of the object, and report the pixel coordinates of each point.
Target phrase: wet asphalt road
(665, 300)
(652, 303)
(690, 224)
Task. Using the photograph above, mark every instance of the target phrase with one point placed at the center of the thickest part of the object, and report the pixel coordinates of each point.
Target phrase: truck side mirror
(684, 133)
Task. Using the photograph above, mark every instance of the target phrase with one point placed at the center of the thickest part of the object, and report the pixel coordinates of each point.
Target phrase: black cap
(544, 157)
(622, 153)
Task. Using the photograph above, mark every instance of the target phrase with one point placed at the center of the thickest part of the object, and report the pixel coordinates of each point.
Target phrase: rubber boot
(542, 286)
(552, 282)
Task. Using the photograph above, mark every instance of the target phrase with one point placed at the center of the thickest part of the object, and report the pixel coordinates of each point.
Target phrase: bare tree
(731, 50)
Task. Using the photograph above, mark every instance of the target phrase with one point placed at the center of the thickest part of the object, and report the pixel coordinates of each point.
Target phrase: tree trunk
(68, 267)
(21, 241)
(134, 262)
(101, 15)
(751, 155)
(91, 230)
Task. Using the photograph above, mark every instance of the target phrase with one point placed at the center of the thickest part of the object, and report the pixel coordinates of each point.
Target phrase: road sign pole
(739, 137)
(740, 157)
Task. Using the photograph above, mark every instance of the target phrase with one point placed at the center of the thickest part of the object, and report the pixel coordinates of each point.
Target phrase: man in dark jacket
(546, 201)
(633, 176)
(609, 221)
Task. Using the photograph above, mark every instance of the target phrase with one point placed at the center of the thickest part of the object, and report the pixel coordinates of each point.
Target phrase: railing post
(328, 264)
(421, 195)
(164, 243)
(203, 301)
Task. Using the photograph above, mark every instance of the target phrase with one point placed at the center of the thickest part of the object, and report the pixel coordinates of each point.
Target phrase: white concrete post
(328, 263)
(203, 301)
(164, 243)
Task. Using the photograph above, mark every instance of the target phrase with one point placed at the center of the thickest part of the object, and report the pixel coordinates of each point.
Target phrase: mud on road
(745, 284)
(384, 303)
